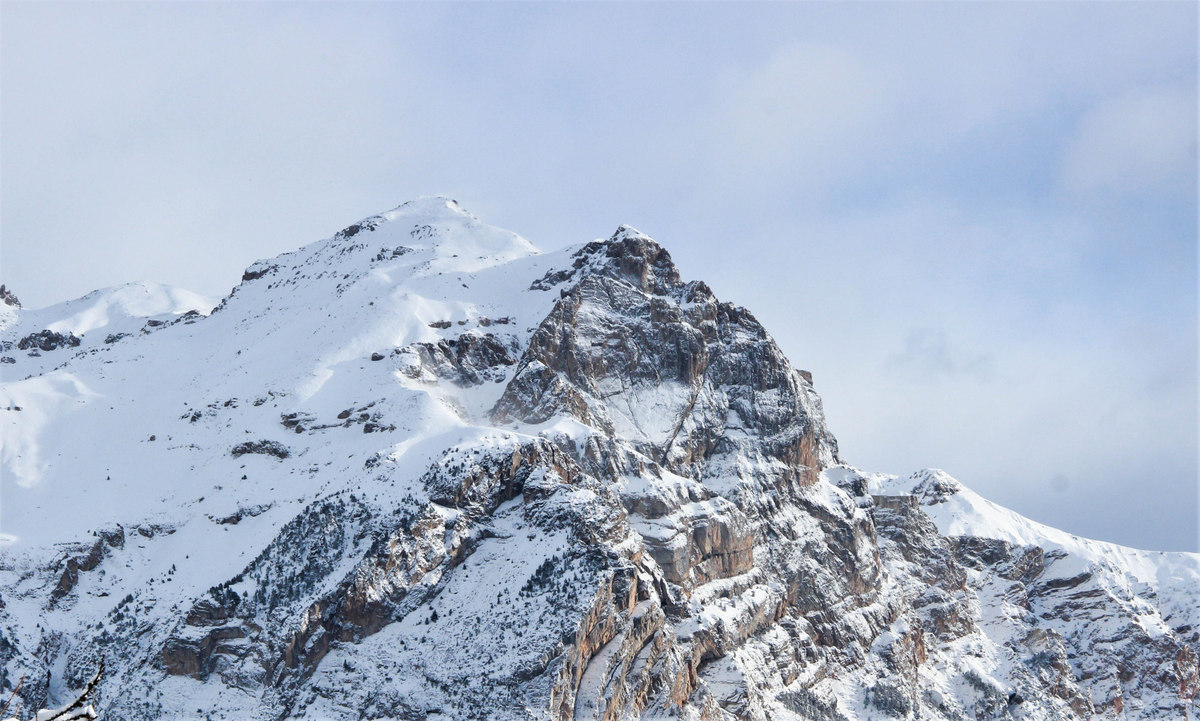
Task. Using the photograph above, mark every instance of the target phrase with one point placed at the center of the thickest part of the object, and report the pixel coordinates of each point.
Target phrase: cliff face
(420, 470)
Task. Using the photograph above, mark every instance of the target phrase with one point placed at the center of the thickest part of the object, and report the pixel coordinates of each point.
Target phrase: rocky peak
(631, 256)
(627, 330)
(934, 485)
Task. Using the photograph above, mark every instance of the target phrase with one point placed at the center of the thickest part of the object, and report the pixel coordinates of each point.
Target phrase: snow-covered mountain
(421, 470)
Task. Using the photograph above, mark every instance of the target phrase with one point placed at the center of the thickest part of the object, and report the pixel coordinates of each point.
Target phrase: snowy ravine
(421, 470)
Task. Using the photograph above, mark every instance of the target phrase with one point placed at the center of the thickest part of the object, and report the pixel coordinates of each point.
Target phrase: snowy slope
(420, 469)
(114, 309)
(297, 340)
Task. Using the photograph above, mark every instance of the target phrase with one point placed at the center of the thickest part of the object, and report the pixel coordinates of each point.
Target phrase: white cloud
(1141, 141)
(929, 357)
(811, 111)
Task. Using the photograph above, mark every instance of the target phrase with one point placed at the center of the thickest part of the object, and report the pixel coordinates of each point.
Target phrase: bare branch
(12, 695)
(76, 709)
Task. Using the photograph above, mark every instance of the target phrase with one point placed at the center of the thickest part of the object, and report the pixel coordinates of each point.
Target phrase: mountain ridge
(422, 470)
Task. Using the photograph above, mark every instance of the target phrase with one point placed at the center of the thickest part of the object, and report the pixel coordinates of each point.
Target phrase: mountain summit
(421, 470)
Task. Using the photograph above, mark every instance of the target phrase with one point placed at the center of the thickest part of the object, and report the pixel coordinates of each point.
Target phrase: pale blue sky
(974, 222)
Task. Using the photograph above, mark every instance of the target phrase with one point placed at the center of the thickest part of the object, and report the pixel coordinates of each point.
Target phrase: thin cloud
(1142, 141)
(928, 358)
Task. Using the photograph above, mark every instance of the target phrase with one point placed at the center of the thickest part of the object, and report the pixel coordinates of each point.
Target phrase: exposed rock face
(86, 561)
(46, 340)
(468, 360)
(269, 448)
(632, 350)
(620, 500)
(7, 297)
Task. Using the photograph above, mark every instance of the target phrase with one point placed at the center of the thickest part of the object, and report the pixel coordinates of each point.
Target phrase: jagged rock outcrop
(468, 360)
(47, 340)
(527, 486)
(629, 330)
(7, 297)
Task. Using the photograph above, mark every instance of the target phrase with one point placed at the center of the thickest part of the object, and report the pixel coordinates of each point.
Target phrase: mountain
(421, 470)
